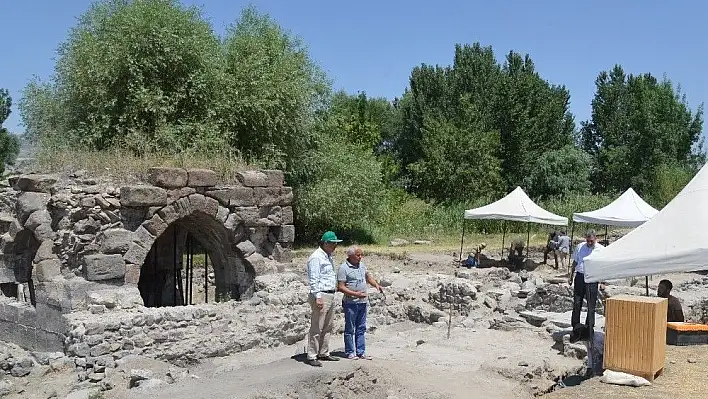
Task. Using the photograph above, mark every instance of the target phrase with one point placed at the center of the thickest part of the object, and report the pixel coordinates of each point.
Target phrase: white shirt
(320, 273)
(581, 252)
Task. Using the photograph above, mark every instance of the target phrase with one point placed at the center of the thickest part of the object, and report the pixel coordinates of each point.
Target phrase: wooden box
(635, 335)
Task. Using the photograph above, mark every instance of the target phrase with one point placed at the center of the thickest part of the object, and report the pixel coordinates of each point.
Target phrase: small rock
(419, 342)
(398, 242)
(672, 361)
(523, 364)
(384, 282)
(396, 270)
(489, 302)
(96, 377)
(422, 242)
(691, 360)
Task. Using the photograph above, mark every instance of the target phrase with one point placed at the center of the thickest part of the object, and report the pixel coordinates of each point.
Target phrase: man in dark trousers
(551, 246)
(674, 312)
(581, 290)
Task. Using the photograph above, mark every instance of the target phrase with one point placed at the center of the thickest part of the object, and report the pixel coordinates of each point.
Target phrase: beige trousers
(563, 256)
(320, 326)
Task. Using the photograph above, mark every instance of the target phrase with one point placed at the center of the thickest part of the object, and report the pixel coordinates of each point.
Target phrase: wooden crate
(635, 335)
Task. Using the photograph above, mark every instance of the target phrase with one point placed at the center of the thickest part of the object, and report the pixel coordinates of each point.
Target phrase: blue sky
(373, 45)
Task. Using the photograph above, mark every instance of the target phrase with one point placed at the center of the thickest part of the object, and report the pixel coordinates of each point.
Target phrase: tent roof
(673, 240)
(628, 210)
(518, 207)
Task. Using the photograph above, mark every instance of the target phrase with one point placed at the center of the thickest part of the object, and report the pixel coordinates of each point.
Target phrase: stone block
(197, 202)
(36, 183)
(222, 214)
(47, 269)
(167, 177)
(233, 196)
(5, 223)
(287, 214)
(202, 178)
(136, 254)
(168, 214)
(183, 207)
(104, 267)
(156, 226)
(44, 232)
(132, 273)
(37, 218)
(115, 241)
(286, 233)
(45, 251)
(249, 215)
(266, 196)
(282, 254)
(211, 206)
(276, 178)
(29, 202)
(143, 237)
(252, 178)
(139, 196)
(286, 196)
(246, 248)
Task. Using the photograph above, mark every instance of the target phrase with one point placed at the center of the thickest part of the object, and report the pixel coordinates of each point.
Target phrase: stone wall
(66, 238)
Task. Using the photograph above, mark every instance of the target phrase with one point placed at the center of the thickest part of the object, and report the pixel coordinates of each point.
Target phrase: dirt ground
(684, 377)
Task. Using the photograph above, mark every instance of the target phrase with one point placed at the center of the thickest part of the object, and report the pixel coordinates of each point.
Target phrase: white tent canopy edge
(518, 207)
(674, 240)
(627, 210)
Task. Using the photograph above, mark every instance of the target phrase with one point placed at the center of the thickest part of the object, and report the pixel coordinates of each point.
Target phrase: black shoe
(328, 358)
(314, 362)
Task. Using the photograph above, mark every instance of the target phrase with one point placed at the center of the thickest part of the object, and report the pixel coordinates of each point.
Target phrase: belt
(328, 292)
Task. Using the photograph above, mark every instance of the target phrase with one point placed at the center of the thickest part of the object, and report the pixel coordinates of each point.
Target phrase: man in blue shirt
(581, 290)
(352, 280)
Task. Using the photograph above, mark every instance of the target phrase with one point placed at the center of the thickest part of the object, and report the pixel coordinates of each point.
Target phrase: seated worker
(516, 249)
(595, 348)
(474, 260)
(674, 312)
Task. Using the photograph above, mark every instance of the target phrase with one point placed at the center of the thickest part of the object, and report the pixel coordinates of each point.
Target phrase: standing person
(551, 246)
(352, 280)
(581, 290)
(563, 249)
(674, 312)
(323, 284)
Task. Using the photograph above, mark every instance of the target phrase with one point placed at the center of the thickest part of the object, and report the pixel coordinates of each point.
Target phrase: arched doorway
(19, 255)
(194, 261)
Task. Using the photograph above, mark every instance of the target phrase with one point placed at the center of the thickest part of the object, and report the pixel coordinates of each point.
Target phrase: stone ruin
(83, 257)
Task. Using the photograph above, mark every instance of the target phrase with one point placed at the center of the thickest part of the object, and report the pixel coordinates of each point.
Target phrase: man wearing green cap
(322, 279)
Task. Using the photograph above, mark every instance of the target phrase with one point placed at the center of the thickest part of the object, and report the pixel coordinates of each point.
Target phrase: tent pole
(462, 240)
(503, 236)
(647, 283)
(607, 238)
(570, 250)
(528, 239)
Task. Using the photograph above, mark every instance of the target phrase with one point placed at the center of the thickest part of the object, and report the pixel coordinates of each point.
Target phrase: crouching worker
(595, 347)
(352, 280)
(473, 260)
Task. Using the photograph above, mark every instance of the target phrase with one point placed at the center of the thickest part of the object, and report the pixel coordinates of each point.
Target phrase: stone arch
(158, 240)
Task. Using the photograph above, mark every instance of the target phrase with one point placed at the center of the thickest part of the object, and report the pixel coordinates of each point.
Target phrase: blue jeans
(354, 327)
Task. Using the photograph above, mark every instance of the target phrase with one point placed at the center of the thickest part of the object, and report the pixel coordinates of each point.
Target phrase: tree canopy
(9, 143)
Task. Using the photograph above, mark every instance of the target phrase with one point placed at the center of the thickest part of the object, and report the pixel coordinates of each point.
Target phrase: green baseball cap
(329, 236)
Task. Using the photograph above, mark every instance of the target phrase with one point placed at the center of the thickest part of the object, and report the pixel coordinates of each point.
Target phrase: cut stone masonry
(66, 241)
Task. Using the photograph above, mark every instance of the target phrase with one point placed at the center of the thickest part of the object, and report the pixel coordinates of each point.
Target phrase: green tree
(364, 121)
(146, 74)
(640, 128)
(9, 143)
(559, 173)
(274, 91)
(529, 115)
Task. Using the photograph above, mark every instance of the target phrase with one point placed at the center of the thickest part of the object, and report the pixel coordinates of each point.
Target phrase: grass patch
(123, 166)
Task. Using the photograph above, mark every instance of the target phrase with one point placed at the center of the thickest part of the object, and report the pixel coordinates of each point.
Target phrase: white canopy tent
(515, 206)
(628, 210)
(518, 207)
(674, 240)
